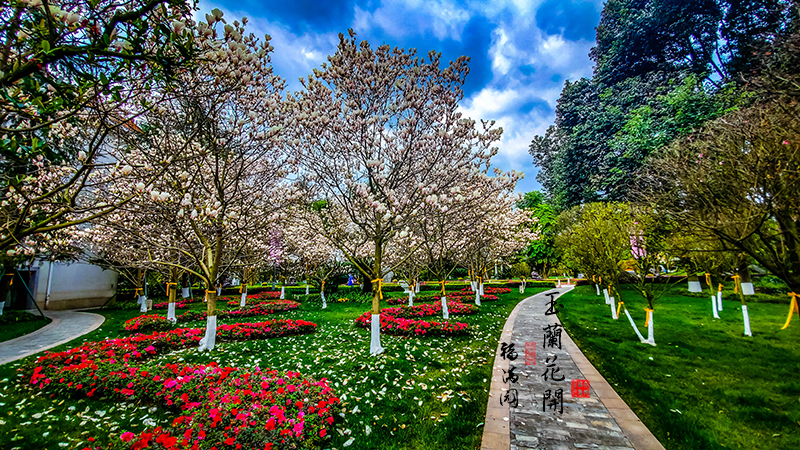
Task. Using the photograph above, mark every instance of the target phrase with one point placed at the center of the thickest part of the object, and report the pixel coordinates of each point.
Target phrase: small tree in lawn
(378, 131)
(596, 237)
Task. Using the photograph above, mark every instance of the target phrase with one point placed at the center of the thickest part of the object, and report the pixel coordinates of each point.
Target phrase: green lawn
(705, 385)
(26, 323)
(421, 393)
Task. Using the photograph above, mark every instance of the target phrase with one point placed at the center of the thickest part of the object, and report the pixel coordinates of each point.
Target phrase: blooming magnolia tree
(376, 133)
(221, 123)
(500, 232)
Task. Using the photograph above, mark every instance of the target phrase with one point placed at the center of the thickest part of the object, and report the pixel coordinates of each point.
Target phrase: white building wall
(74, 285)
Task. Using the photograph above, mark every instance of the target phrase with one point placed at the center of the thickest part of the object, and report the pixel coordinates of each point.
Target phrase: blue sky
(521, 51)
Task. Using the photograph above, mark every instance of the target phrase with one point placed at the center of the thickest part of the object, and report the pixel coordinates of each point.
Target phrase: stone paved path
(602, 421)
(65, 326)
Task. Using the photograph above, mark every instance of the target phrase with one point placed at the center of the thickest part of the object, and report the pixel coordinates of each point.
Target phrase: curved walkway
(65, 326)
(601, 421)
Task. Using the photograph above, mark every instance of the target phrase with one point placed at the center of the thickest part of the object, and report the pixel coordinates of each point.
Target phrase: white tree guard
(445, 311)
(481, 288)
(641, 338)
(747, 289)
(306, 287)
(608, 299)
(613, 304)
(746, 319)
(416, 287)
(375, 347)
(411, 297)
(171, 312)
(477, 298)
(185, 292)
(143, 303)
(283, 294)
(694, 286)
(324, 301)
(210, 338)
(719, 301)
(650, 337)
(243, 300)
(714, 306)
(597, 287)
(473, 285)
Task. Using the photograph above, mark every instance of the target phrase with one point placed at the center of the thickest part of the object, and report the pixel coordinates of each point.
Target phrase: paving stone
(65, 326)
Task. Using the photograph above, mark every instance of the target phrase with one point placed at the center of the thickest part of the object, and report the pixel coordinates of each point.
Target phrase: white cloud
(443, 19)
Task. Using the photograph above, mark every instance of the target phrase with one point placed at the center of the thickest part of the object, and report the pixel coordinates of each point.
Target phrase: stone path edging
(65, 326)
(498, 423)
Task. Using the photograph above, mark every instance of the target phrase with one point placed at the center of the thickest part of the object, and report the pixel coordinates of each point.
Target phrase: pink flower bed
(215, 407)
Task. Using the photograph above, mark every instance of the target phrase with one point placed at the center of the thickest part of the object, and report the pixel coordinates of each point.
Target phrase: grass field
(421, 393)
(705, 385)
(28, 323)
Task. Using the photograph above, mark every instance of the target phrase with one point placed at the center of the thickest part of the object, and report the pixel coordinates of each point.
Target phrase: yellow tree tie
(242, 287)
(736, 279)
(443, 282)
(322, 286)
(793, 306)
(170, 284)
(647, 318)
(136, 292)
(708, 279)
(720, 288)
(478, 286)
(619, 305)
(380, 285)
(211, 292)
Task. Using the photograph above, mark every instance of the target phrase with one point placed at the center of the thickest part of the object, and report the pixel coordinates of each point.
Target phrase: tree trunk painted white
(210, 338)
(559, 282)
(416, 287)
(49, 281)
(143, 303)
(243, 300)
(219, 291)
(521, 289)
(283, 293)
(445, 311)
(597, 288)
(481, 288)
(473, 285)
(324, 301)
(477, 298)
(205, 297)
(650, 338)
(714, 306)
(641, 338)
(747, 289)
(719, 301)
(746, 318)
(613, 304)
(2, 305)
(171, 312)
(185, 292)
(411, 297)
(306, 287)
(694, 286)
(568, 280)
(608, 298)
(375, 335)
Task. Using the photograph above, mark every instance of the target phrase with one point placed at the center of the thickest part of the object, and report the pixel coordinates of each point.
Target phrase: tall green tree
(542, 254)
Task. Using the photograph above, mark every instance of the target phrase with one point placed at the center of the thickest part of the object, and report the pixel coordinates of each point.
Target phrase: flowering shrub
(153, 323)
(402, 320)
(257, 299)
(222, 407)
(147, 322)
(179, 304)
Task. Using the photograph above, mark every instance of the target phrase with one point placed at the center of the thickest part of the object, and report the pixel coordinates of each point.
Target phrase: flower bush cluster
(215, 407)
(256, 299)
(183, 302)
(159, 323)
(404, 319)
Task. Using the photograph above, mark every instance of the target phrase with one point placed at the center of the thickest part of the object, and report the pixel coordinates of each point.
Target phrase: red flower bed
(214, 406)
(159, 323)
(179, 304)
(402, 320)
(147, 323)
